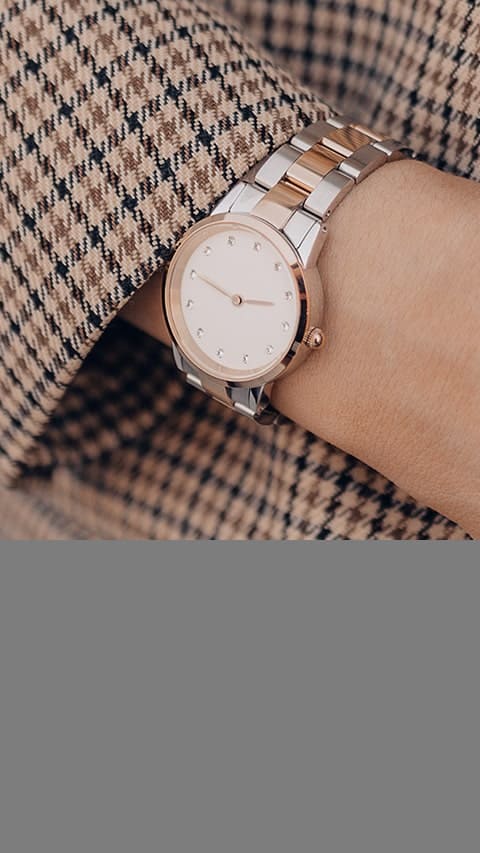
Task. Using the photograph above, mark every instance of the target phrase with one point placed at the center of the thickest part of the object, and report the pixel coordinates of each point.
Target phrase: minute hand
(257, 302)
(215, 286)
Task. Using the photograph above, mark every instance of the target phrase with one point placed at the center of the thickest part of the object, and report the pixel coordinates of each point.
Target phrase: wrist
(395, 385)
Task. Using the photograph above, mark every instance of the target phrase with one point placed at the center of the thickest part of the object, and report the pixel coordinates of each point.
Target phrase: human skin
(398, 383)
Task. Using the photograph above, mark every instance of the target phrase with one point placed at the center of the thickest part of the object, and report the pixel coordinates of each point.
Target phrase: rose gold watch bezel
(307, 281)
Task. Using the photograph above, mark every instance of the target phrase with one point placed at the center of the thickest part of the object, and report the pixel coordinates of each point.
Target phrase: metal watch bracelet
(296, 189)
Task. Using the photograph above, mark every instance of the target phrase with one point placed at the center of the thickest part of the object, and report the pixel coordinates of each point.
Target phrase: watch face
(233, 300)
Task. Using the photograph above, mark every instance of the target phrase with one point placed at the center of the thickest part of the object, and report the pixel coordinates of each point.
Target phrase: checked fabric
(121, 123)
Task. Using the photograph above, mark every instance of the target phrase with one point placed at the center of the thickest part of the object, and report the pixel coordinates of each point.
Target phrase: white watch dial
(239, 301)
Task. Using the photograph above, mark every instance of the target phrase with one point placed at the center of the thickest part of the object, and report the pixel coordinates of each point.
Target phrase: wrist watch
(242, 294)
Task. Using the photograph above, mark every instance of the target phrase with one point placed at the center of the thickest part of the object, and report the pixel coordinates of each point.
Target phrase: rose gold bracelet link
(375, 137)
(346, 140)
(308, 170)
(278, 204)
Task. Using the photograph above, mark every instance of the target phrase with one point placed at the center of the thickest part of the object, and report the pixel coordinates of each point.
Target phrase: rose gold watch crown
(315, 338)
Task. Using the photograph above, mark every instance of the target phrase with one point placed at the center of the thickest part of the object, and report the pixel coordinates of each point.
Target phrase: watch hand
(257, 302)
(236, 299)
(215, 286)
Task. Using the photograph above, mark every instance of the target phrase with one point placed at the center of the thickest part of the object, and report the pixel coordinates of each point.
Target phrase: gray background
(239, 698)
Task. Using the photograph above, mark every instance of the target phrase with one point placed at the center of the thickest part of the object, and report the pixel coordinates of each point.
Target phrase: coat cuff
(123, 124)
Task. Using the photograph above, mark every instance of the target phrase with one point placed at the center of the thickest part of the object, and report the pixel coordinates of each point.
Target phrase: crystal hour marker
(193, 274)
(220, 352)
(257, 247)
(269, 349)
(245, 358)
(277, 267)
(207, 250)
(189, 303)
(231, 241)
(288, 295)
(285, 326)
(200, 333)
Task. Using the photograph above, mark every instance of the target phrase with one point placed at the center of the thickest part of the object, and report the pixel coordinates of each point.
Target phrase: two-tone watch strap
(296, 189)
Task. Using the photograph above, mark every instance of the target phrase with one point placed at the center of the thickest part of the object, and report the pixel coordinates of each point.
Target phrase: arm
(398, 384)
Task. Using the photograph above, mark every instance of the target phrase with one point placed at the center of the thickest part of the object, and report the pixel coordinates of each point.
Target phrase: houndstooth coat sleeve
(121, 124)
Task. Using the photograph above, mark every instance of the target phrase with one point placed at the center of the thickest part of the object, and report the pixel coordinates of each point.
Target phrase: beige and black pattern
(411, 67)
(117, 156)
(121, 123)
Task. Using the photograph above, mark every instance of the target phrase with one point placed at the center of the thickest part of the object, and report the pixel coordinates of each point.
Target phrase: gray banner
(198, 699)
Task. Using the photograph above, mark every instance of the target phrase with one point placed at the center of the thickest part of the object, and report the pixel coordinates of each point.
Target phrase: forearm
(398, 383)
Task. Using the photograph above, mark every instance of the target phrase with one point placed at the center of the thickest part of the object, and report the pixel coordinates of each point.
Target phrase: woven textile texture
(121, 124)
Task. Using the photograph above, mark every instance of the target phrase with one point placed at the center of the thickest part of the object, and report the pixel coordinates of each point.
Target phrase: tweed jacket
(122, 122)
